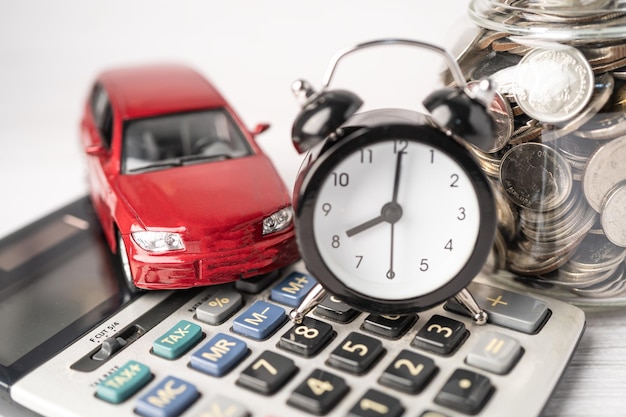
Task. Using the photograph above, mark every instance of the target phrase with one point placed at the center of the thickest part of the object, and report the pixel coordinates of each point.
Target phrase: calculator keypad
(336, 362)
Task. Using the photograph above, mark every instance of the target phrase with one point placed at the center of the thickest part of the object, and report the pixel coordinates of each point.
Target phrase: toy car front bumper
(185, 270)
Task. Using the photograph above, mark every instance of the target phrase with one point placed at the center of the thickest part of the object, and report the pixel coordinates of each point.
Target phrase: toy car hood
(205, 196)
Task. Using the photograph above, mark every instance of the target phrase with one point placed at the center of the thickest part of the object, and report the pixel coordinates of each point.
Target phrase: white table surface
(252, 50)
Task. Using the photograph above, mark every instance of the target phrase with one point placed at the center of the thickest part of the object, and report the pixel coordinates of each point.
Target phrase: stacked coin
(558, 163)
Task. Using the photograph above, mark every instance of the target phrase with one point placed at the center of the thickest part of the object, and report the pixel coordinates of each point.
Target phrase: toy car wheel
(125, 264)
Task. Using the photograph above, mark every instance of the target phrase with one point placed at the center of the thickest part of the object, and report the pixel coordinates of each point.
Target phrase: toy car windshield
(180, 139)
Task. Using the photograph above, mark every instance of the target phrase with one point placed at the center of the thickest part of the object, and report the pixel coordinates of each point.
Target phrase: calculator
(230, 351)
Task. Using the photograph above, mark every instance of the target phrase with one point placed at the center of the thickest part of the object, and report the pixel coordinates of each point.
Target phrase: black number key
(268, 373)
(333, 308)
(356, 353)
(441, 335)
(465, 391)
(308, 338)
(391, 326)
(319, 393)
(409, 372)
(376, 404)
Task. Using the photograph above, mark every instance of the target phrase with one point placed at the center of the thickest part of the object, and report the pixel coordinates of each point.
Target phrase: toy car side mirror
(260, 128)
(96, 150)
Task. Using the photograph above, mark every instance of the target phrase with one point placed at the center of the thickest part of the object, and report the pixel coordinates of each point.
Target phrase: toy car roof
(152, 90)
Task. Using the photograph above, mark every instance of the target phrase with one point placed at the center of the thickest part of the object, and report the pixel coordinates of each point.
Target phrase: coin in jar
(613, 217)
(605, 169)
(553, 85)
(535, 176)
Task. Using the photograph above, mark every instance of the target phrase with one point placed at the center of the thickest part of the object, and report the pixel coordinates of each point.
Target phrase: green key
(178, 340)
(124, 382)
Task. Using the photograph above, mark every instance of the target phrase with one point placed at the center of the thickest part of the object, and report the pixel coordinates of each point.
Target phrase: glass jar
(559, 162)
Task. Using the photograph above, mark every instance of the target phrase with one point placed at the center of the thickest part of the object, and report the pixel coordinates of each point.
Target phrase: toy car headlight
(158, 241)
(277, 221)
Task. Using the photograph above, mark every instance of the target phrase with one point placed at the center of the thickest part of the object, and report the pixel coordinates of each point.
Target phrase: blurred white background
(50, 52)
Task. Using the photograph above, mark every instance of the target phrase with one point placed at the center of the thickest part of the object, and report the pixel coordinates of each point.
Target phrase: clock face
(396, 218)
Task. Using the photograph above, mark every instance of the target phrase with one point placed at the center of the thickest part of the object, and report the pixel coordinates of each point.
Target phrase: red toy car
(184, 194)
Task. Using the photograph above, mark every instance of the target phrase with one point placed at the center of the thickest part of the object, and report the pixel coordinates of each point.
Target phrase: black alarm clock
(393, 215)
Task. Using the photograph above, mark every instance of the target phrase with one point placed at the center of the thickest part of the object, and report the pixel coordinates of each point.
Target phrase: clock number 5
(424, 265)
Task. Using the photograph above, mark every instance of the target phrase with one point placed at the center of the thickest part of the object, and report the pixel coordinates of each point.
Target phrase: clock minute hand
(396, 178)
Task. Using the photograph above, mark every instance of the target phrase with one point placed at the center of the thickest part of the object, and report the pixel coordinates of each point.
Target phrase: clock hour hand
(364, 226)
(390, 213)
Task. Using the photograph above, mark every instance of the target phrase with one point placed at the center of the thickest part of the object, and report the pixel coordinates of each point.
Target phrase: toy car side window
(102, 113)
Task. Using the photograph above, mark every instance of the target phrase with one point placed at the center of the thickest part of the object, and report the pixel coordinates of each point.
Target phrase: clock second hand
(397, 211)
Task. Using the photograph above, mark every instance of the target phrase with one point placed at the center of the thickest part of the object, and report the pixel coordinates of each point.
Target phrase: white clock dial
(393, 233)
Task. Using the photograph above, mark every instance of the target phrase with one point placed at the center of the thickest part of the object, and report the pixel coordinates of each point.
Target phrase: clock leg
(467, 300)
(313, 298)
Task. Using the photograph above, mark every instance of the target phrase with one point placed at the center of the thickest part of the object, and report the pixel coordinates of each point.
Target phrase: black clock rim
(309, 191)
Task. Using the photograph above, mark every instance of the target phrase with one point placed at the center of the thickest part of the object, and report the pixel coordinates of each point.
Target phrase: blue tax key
(178, 340)
(169, 398)
(124, 382)
(219, 355)
(260, 320)
(293, 289)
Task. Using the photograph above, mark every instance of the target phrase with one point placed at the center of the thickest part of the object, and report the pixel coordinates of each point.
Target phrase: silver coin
(523, 263)
(574, 148)
(570, 277)
(597, 253)
(553, 86)
(613, 216)
(614, 285)
(535, 176)
(604, 86)
(605, 169)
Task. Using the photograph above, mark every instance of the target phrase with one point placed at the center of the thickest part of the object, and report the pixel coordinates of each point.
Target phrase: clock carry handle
(460, 111)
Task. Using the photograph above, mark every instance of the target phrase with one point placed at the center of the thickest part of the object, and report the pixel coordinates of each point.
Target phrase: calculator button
(177, 340)
(441, 335)
(169, 398)
(319, 392)
(495, 353)
(506, 308)
(409, 372)
(223, 304)
(376, 404)
(465, 391)
(268, 373)
(219, 355)
(292, 290)
(260, 320)
(333, 308)
(220, 406)
(432, 414)
(127, 380)
(391, 326)
(356, 353)
(308, 338)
